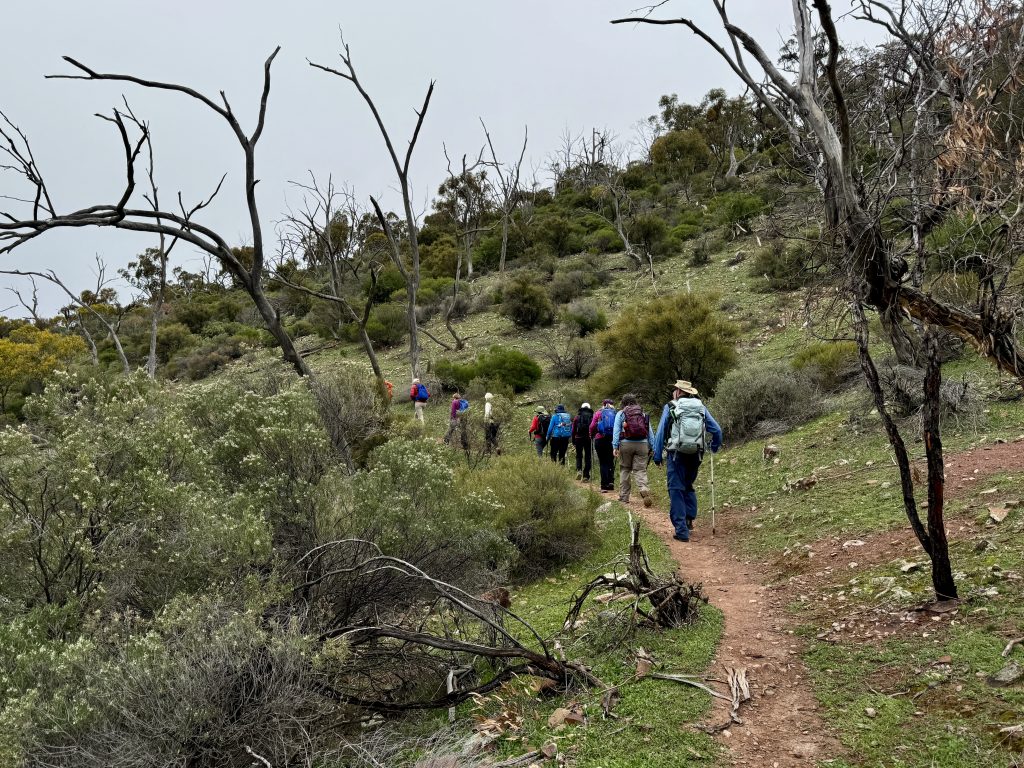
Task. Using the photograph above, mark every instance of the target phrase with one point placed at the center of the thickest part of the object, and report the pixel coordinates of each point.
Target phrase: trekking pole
(712, 495)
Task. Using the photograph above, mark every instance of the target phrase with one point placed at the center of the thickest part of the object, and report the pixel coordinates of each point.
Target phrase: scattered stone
(604, 508)
(989, 491)
(997, 514)
(984, 546)
(853, 543)
(1008, 675)
(549, 750)
(911, 567)
(871, 712)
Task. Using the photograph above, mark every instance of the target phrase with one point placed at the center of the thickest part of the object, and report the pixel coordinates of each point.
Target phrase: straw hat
(685, 386)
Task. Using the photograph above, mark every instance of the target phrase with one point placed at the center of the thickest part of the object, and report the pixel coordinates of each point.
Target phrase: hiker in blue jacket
(683, 432)
(559, 432)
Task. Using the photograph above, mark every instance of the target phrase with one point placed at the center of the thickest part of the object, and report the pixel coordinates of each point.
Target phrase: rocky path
(782, 725)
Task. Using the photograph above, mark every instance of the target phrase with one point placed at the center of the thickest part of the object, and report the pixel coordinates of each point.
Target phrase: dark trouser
(491, 437)
(681, 470)
(539, 443)
(606, 458)
(559, 447)
(583, 457)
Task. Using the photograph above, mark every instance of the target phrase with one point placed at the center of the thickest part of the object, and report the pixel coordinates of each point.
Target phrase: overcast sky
(548, 64)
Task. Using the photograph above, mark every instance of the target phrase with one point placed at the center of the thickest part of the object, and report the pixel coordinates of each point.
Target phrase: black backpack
(583, 419)
(543, 421)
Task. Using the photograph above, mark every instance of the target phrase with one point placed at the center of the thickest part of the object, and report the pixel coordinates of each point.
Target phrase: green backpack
(688, 430)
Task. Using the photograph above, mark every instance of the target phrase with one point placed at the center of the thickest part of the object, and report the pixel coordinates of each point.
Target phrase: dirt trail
(781, 724)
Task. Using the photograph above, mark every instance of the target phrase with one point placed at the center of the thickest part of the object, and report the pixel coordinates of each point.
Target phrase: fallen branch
(526, 759)
(691, 682)
(1010, 646)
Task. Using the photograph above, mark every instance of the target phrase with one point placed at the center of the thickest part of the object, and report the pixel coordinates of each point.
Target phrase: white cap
(488, 396)
(585, 405)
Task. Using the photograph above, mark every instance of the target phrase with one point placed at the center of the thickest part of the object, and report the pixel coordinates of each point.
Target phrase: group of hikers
(685, 431)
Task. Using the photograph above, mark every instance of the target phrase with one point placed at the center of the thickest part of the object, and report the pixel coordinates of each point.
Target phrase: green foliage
(764, 398)
(653, 344)
(526, 303)
(560, 234)
(681, 154)
(388, 325)
(734, 209)
(604, 240)
(511, 367)
(959, 289)
(548, 520)
(782, 264)
(830, 365)
(650, 232)
(566, 286)
(584, 318)
(389, 280)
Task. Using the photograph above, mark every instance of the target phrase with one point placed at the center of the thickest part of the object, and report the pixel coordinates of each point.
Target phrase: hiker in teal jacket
(686, 454)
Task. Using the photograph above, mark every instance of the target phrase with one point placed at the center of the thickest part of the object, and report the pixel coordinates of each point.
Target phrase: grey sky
(549, 64)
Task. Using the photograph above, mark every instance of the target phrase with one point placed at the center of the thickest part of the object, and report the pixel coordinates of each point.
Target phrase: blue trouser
(681, 469)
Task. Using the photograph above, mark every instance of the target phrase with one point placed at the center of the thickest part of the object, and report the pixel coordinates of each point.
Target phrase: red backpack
(634, 423)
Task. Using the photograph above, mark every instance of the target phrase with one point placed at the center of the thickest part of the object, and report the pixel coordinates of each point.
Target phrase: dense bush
(388, 325)
(763, 398)
(566, 286)
(526, 302)
(672, 337)
(649, 232)
(734, 209)
(513, 368)
(830, 365)
(604, 240)
(584, 318)
(782, 264)
(547, 519)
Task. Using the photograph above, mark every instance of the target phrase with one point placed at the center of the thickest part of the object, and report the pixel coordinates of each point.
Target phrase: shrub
(511, 367)
(566, 286)
(781, 264)
(604, 240)
(701, 253)
(830, 365)
(516, 369)
(526, 302)
(547, 519)
(584, 318)
(388, 325)
(734, 209)
(759, 393)
(650, 232)
(651, 345)
(560, 234)
(573, 358)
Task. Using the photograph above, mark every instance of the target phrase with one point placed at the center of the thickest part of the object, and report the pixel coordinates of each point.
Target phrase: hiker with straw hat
(684, 432)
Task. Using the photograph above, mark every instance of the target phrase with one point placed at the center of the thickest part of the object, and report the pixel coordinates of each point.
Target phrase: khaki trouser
(632, 463)
(419, 411)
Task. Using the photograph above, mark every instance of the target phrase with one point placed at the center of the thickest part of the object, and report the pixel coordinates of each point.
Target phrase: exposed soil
(781, 724)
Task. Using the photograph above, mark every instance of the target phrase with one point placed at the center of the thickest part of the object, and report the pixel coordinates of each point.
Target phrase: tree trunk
(942, 569)
(504, 246)
(273, 323)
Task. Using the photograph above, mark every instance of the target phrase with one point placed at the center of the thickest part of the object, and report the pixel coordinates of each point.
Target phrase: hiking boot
(685, 539)
(646, 496)
(690, 521)
(579, 476)
(624, 499)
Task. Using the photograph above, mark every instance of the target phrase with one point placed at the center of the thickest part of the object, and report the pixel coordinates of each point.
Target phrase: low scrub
(513, 368)
(526, 302)
(547, 519)
(759, 399)
(830, 365)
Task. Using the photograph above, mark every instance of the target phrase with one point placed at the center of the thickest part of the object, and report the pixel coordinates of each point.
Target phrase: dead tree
(410, 270)
(180, 224)
(434, 628)
(506, 189)
(330, 234)
(940, 44)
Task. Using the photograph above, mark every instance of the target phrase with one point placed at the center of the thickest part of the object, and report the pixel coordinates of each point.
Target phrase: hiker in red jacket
(601, 428)
(419, 395)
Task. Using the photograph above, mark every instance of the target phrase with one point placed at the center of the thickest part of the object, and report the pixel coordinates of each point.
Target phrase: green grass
(655, 718)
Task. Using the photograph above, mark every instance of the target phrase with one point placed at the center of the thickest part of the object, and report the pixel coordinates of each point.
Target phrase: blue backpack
(463, 406)
(422, 395)
(606, 424)
(563, 425)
